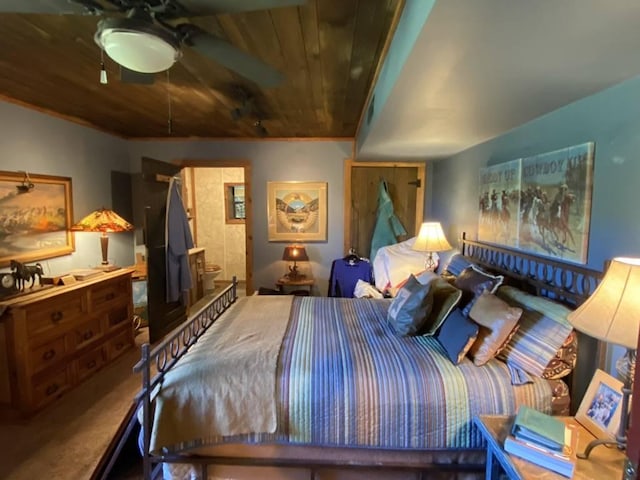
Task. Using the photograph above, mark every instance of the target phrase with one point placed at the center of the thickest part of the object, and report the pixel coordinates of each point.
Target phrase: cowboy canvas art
(540, 204)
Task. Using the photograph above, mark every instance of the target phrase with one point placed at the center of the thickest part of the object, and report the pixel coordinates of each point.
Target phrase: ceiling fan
(146, 36)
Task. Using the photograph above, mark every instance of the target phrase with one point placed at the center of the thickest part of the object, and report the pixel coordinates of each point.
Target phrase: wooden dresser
(55, 338)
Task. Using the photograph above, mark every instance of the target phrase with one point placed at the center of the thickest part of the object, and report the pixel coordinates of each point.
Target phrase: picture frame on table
(37, 212)
(297, 211)
(601, 407)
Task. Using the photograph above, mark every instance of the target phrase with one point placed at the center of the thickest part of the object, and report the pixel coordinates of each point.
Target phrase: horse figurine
(22, 273)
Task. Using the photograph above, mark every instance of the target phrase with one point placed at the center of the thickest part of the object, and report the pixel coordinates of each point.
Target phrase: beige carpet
(67, 439)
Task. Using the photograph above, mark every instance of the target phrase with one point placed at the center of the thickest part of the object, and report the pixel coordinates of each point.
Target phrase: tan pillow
(498, 322)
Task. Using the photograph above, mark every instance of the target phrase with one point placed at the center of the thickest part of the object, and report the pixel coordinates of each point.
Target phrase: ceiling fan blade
(234, 58)
(129, 76)
(59, 7)
(214, 7)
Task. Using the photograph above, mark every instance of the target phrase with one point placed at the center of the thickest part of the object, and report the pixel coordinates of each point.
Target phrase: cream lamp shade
(431, 239)
(612, 313)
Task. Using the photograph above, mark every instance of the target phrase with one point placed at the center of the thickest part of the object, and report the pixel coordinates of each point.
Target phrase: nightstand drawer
(118, 316)
(47, 316)
(47, 354)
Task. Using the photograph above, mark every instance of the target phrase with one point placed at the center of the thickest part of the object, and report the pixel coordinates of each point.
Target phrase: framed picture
(540, 204)
(601, 406)
(35, 215)
(297, 211)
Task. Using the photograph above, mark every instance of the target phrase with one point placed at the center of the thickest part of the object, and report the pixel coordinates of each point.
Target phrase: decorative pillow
(445, 299)
(473, 281)
(456, 264)
(409, 308)
(457, 335)
(544, 330)
(498, 322)
(565, 359)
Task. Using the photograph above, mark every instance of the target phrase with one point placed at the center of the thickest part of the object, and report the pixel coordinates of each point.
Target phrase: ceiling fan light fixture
(139, 46)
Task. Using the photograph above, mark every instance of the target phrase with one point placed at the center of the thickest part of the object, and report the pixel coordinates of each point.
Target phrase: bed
(314, 383)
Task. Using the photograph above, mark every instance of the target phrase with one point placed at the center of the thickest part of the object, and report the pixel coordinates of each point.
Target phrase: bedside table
(603, 462)
(301, 286)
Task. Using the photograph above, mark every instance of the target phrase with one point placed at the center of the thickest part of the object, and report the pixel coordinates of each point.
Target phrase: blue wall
(43, 144)
(611, 119)
(313, 161)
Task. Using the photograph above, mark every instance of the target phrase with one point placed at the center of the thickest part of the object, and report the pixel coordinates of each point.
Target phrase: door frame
(248, 225)
(350, 164)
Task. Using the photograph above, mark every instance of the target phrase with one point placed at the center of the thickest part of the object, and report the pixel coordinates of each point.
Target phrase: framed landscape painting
(297, 211)
(35, 216)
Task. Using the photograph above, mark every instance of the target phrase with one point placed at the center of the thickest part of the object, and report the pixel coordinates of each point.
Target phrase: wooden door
(405, 183)
(163, 315)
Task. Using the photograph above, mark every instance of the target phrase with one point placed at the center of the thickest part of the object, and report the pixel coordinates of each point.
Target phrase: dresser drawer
(118, 316)
(47, 354)
(90, 362)
(47, 316)
(119, 344)
(50, 388)
(85, 333)
(106, 294)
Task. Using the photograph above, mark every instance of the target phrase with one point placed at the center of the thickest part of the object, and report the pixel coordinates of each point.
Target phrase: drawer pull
(91, 364)
(56, 316)
(51, 389)
(110, 296)
(49, 354)
(87, 335)
(119, 346)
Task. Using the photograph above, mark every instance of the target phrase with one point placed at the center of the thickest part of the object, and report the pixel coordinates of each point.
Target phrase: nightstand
(301, 286)
(603, 462)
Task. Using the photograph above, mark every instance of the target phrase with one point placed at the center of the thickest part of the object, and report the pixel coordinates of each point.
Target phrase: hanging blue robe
(388, 226)
(178, 241)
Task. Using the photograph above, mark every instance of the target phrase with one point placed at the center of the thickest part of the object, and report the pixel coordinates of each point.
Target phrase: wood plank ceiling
(327, 50)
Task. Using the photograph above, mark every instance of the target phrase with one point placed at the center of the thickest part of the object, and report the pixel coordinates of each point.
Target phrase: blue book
(539, 428)
(562, 462)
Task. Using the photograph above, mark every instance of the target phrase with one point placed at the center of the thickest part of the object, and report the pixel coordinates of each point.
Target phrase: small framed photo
(601, 406)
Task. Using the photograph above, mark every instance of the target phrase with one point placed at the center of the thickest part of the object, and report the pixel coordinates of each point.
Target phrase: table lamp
(295, 253)
(104, 221)
(431, 239)
(612, 314)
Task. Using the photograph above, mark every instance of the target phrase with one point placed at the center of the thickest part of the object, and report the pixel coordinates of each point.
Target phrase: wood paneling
(328, 51)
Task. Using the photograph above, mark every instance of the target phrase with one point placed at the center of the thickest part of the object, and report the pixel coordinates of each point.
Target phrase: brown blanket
(225, 385)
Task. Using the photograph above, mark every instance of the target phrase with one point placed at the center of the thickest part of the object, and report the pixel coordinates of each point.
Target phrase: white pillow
(393, 264)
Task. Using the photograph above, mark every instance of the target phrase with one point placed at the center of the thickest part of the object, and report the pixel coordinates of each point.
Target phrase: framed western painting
(35, 216)
(540, 204)
(297, 211)
(601, 406)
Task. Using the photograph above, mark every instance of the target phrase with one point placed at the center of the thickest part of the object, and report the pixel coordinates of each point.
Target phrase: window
(234, 202)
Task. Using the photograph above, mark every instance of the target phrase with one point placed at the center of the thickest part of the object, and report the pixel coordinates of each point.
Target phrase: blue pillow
(410, 307)
(457, 335)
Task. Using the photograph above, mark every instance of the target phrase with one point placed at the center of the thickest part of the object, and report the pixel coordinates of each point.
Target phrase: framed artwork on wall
(600, 409)
(297, 211)
(540, 204)
(35, 215)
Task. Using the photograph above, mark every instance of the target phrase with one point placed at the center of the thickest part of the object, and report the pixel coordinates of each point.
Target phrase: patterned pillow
(544, 330)
(498, 322)
(473, 281)
(409, 308)
(457, 335)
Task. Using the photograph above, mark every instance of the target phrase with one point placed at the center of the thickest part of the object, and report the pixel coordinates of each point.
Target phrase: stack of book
(544, 440)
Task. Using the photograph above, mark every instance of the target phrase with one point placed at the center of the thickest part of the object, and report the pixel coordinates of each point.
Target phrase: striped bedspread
(346, 379)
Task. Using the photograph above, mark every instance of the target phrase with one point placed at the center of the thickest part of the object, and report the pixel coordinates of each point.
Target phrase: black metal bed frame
(568, 283)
